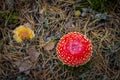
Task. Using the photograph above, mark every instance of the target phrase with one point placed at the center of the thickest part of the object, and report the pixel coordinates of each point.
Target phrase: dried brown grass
(56, 18)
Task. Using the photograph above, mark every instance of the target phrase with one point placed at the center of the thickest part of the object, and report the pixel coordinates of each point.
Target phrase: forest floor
(36, 59)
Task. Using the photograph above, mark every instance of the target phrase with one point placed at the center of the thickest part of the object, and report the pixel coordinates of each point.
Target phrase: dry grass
(51, 20)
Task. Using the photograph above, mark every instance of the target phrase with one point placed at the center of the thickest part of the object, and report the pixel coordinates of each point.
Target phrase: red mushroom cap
(74, 49)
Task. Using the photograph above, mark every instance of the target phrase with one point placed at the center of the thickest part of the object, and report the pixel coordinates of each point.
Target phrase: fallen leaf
(33, 53)
(27, 63)
(24, 66)
(49, 45)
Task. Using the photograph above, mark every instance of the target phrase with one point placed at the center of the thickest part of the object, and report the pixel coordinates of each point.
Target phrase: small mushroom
(23, 32)
(74, 49)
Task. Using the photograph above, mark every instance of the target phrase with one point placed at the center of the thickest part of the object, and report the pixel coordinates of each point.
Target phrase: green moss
(79, 69)
(11, 17)
(97, 5)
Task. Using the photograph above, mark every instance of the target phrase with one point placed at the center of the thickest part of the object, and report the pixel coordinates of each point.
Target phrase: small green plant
(97, 5)
(11, 17)
(21, 78)
(78, 69)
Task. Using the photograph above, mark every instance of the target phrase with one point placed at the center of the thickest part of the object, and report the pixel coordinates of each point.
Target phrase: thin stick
(84, 29)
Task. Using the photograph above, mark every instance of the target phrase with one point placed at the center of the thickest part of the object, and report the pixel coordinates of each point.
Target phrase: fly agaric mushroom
(74, 49)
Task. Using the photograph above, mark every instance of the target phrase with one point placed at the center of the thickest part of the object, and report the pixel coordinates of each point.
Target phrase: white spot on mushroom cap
(61, 49)
(83, 59)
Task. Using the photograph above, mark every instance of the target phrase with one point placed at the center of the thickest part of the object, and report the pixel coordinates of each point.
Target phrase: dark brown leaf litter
(28, 62)
(33, 54)
(36, 59)
(23, 66)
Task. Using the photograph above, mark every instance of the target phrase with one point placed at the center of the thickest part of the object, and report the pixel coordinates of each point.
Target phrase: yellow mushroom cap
(22, 32)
